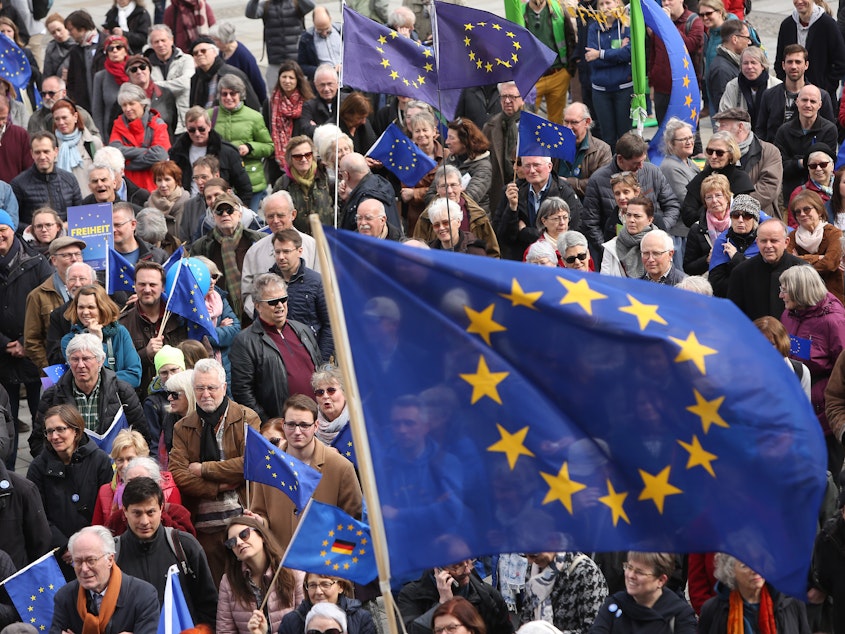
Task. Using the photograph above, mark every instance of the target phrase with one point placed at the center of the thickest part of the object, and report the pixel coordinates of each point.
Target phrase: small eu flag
(14, 66)
(540, 137)
(401, 156)
(343, 443)
(105, 440)
(32, 590)
(177, 255)
(186, 300)
(270, 465)
(121, 274)
(800, 348)
(330, 542)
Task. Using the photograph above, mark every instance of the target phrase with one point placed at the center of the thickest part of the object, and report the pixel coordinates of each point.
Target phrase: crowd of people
(162, 113)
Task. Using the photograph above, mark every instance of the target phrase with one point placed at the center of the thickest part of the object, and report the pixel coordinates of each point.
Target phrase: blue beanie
(6, 219)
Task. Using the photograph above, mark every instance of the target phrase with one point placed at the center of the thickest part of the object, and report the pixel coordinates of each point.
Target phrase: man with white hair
(93, 389)
(124, 188)
(657, 250)
(170, 68)
(102, 597)
(322, 108)
(371, 220)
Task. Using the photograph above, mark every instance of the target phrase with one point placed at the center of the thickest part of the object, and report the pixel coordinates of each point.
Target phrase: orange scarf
(91, 623)
(766, 617)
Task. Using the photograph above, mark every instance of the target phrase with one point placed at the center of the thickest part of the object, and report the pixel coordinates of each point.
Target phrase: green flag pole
(515, 11)
(638, 102)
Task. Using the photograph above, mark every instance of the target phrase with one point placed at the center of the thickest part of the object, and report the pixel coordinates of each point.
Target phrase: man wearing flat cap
(759, 159)
(210, 67)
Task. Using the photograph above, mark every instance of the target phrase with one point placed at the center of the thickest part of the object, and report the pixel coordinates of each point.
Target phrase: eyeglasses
(331, 630)
(746, 37)
(274, 302)
(509, 97)
(367, 219)
(71, 255)
(83, 360)
(653, 254)
(449, 629)
(228, 210)
(201, 51)
(560, 219)
(46, 225)
(782, 290)
(714, 196)
(745, 215)
(711, 151)
(820, 165)
(685, 140)
(570, 259)
(331, 391)
(200, 129)
(534, 166)
(174, 395)
(572, 121)
(137, 68)
(287, 251)
(211, 389)
(325, 584)
(60, 430)
(637, 572)
(88, 561)
(229, 93)
(307, 156)
(50, 93)
(118, 225)
(116, 47)
(803, 210)
(302, 426)
(706, 14)
(243, 535)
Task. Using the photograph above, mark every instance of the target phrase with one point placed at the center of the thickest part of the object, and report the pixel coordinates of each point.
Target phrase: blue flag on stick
(175, 616)
(186, 300)
(15, 68)
(32, 590)
(270, 465)
(343, 443)
(105, 440)
(177, 255)
(647, 425)
(477, 48)
(120, 273)
(401, 156)
(541, 137)
(330, 542)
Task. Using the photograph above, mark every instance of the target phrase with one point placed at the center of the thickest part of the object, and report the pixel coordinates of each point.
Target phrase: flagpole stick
(337, 116)
(356, 419)
(287, 550)
(22, 570)
(248, 482)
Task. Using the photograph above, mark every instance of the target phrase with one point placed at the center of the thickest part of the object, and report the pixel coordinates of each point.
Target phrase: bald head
(356, 168)
(809, 103)
(322, 21)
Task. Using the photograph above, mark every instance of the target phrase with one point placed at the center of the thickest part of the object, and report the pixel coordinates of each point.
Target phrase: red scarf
(765, 617)
(285, 111)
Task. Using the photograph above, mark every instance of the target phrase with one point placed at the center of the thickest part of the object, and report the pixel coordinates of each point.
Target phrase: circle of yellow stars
(510, 57)
(427, 56)
(32, 598)
(541, 136)
(294, 485)
(409, 152)
(657, 487)
(353, 534)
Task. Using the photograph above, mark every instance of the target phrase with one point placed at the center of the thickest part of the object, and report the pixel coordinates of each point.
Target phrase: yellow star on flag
(615, 501)
(580, 293)
(394, 74)
(484, 382)
(382, 39)
(519, 297)
(692, 350)
(708, 411)
(698, 457)
(657, 488)
(645, 313)
(686, 81)
(512, 445)
(688, 101)
(561, 487)
(482, 323)
(686, 63)
(385, 63)
(468, 27)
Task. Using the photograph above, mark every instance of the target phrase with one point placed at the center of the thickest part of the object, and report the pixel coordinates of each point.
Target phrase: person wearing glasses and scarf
(107, 83)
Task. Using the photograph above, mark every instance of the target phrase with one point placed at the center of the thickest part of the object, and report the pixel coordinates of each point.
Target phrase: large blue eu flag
(119, 273)
(574, 412)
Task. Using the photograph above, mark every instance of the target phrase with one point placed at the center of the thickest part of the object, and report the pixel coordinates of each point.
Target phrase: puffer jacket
(245, 126)
(26, 533)
(359, 621)
(283, 25)
(57, 190)
(233, 616)
(24, 271)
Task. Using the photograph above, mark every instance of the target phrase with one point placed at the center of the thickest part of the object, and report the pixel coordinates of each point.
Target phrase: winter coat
(56, 56)
(307, 305)
(773, 106)
(175, 75)
(57, 190)
(233, 615)
(283, 24)
(231, 168)
(306, 54)
(245, 126)
(127, 363)
(88, 145)
(693, 205)
(371, 186)
(114, 393)
(82, 66)
(697, 251)
(592, 154)
(259, 375)
(733, 97)
(478, 104)
(669, 615)
(721, 267)
(139, 24)
(829, 566)
(722, 69)
(824, 325)
(245, 61)
(143, 143)
(479, 226)
(790, 615)
(480, 171)
(39, 304)
(763, 164)
(794, 143)
(69, 491)
(825, 260)
(318, 200)
(754, 286)
(359, 621)
(172, 18)
(26, 532)
(105, 506)
(142, 330)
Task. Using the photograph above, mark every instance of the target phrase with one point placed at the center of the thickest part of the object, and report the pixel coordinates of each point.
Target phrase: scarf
(116, 69)
(511, 568)
(741, 240)
(825, 189)
(306, 180)
(209, 449)
(752, 91)
(165, 203)
(716, 226)
(283, 111)
(97, 624)
(231, 270)
(214, 305)
(199, 93)
(69, 156)
(192, 16)
(123, 14)
(810, 240)
(628, 250)
(538, 591)
(327, 430)
(765, 619)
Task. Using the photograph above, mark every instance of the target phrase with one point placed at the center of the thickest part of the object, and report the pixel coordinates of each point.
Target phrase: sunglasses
(821, 164)
(578, 256)
(705, 14)
(331, 391)
(116, 47)
(138, 68)
(173, 395)
(276, 301)
(232, 541)
(215, 276)
(224, 210)
(711, 151)
(746, 215)
(50, 93)
(332, 630)
(300, 157)
(199, 129)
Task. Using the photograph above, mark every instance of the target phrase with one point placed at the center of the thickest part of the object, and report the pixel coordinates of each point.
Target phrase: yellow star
(615, 502)
(686, 81)
(497, 26)
(688, 101)
(516, 45)
(382, 40)
(657, 488)
(420, 80)
(484, 382)
(478, 64)
(394, 74)
(693, 115)
(406, 82)
(514, 58)
(488, 67)
(468, 27)
(697, 456)
(467, 41)
(393, 35)
(708, 411)
(519, 297)
(686, 63)
(580, 293)
(385, 63)
(561, 487)
(645, 313)
(429, 67)
(482, 323)
(693, 351)
(512, 445)
(510, 34)
(472, 55)
(427, 52)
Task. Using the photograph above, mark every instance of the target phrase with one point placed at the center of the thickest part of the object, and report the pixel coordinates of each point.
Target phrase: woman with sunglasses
(723, 154)
(168, 362)
(820, 161)
(282, 112)
(333, 414)
(252, 560)
(77, 145)
(307, 181)
(716, 192)
(572, 245)
(332, 590)
(816, 241)
(107, 83)
(737, 244)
